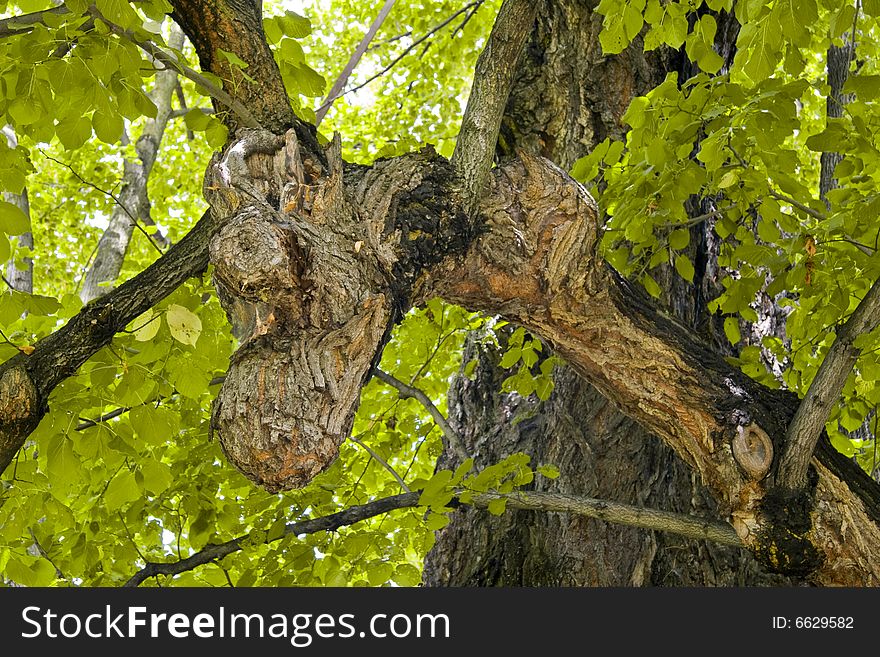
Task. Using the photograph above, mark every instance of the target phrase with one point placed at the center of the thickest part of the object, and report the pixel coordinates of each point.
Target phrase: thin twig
(342, 80)
(331, 99)
(58, 573)
(116, 412)
(800, 206)
(247, 119)
(382, 462)
(113, 196)
(411, 392)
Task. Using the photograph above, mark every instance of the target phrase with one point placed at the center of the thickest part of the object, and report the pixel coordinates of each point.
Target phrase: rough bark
(599, 452)
(560, 108)
(236, 26)
(133, 204)
(531, 258)
(313, 273)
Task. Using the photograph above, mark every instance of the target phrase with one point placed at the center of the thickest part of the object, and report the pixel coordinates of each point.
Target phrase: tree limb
(19, 278)
(493, 78)
(329, 523)
(242, 112)
(25, 22)
(133, 204)
(411, 392)
(824, 392)
(683, 525)
(621, 514)
(26, 381)
(339, 85)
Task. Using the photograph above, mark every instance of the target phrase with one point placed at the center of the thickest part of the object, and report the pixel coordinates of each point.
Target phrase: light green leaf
(122, 490)
(731, 330)
(684, 267)
(497, 506)
(12, 220)
(185, 325)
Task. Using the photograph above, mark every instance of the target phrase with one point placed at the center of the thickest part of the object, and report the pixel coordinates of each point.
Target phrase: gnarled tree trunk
(568, 97)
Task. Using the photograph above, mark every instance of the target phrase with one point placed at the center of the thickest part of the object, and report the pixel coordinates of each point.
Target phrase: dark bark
(567, 98)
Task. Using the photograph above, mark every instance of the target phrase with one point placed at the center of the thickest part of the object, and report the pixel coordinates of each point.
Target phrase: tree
(329, 258)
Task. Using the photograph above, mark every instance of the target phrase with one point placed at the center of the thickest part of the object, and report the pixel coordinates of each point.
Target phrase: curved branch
(411, 392)
(625, 514)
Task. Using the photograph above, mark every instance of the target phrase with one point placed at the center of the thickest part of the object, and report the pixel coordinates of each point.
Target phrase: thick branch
(625, 514)
(237, 26)
(475, 148)
(27, 381)
(824, 393)
(537, 264)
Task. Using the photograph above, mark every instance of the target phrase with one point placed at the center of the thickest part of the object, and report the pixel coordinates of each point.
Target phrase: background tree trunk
(567, 98)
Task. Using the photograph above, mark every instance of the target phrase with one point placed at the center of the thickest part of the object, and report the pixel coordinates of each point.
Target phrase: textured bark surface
(312, 273)
(531, 259)
(599, 452)
(560, 108)
(537, 266)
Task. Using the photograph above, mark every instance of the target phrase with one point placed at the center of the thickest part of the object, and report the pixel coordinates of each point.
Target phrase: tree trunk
(20, 277)
(568, 98)
(133, 206)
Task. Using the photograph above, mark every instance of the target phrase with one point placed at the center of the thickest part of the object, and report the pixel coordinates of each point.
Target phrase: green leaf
(74, 132)
(497, 506)
(435, 521)
(122, 490)
(63, 464)
(727, 180)
(511, 357)
(549, 471)
(151, 424)
(12, 220)
(684, 267)
(679, 238)
(107, 125)
(651, 286)
(184, 324)
(146, 326)
(731, 330)
(157, 476)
